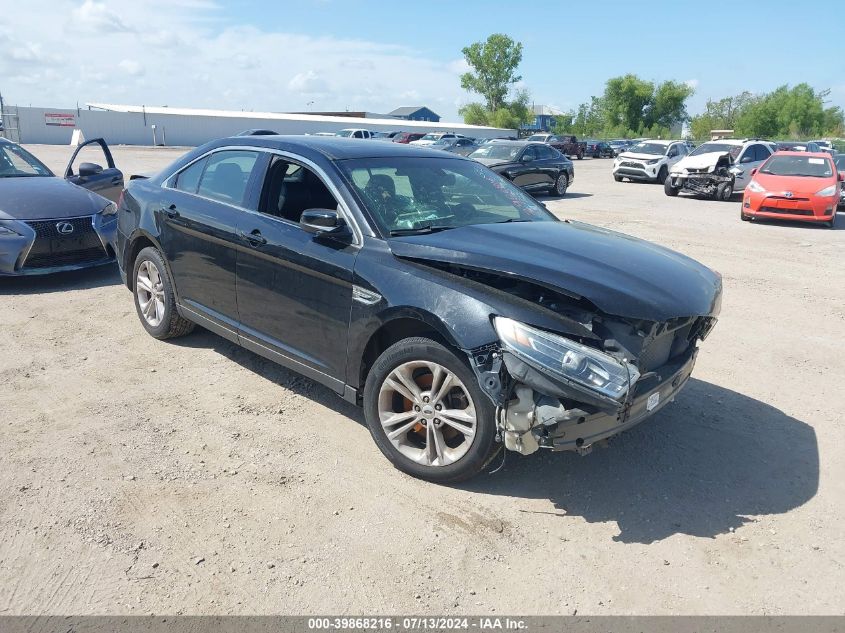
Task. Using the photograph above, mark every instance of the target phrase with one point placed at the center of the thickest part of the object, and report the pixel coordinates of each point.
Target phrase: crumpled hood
(702, 161)
(638, 156)
(621, 275)
(46, 197)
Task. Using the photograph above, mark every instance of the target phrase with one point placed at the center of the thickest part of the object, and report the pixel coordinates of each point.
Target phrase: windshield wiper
(510, 220)
(420, 230)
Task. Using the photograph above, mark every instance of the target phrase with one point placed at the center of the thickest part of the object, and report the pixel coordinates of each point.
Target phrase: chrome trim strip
(367, 297)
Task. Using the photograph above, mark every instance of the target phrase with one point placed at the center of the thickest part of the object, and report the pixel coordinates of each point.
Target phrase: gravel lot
(192, 476)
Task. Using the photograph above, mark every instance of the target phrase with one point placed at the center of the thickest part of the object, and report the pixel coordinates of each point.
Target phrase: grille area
(628, 163)
(786, 211)
(53, 248)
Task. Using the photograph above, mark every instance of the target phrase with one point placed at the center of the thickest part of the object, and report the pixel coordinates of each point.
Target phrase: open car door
(106, 181)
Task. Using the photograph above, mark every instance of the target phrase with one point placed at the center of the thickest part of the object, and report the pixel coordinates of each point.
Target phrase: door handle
(171, 211)
(255, 238)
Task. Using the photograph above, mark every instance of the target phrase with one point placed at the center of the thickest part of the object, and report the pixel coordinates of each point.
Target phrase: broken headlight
(567, 359)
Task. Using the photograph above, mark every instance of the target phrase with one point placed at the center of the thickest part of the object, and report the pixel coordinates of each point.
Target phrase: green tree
(494, 63)
(626, 101)
(668, 104)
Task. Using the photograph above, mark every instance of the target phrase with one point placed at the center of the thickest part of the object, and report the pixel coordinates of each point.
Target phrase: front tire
(725, 191)
(427, 413)
(155, 300)
(617, 178)
(669, 189)
(662, 174)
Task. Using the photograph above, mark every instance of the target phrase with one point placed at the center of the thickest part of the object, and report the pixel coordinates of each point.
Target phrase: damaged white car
(718, 169)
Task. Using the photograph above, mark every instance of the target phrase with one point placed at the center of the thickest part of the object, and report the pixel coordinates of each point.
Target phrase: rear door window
(226, 176)
(189, 179)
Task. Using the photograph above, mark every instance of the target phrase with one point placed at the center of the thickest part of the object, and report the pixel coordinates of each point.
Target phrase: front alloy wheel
(427, 413)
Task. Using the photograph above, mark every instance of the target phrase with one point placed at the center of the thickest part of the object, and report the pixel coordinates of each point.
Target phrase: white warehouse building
(143, 125)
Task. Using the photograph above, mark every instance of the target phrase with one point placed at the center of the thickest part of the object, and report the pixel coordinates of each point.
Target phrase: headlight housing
(109, 209)
(756, 187)
(827, 192)
(567, 359)
(653, 161)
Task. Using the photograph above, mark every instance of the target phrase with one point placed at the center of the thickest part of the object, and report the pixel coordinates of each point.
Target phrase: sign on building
(60, 119)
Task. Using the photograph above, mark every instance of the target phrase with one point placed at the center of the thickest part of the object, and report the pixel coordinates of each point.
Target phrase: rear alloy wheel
(561, 184)
(155, 301)
(427, 414)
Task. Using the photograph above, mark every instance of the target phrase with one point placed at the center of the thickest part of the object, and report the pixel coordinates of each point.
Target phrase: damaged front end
(705, 180)
(556, 392)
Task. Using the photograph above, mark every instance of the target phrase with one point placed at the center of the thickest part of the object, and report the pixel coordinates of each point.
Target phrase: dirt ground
(139, 476)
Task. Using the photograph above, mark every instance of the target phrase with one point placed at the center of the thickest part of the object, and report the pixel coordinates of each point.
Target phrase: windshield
(344, 133)
(16, 162)
(407, 195)
(722, 148)
(840, 162)
(497, 150)
(658, 149)
(431, 137)
(798, 166)
(538, 137)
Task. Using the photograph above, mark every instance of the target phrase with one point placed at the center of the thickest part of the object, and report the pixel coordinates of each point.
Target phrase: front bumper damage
(538, 411)
(702, 183)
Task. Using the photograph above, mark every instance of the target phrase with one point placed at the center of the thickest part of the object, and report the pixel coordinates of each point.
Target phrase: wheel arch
(396, 327)
(139, 241)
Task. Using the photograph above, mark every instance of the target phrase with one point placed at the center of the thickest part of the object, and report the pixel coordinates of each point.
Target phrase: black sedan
(49, 224)
(448, 303)
(532, 166)
(599, 149)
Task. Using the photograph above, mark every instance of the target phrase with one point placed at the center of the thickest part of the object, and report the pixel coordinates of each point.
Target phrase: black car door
(106, 181)
(547, 165)
(294, 289)
(525, 170)
(198, 218)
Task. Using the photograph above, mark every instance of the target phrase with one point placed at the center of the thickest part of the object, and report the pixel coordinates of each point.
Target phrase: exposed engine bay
(536, 410)
(713, 181)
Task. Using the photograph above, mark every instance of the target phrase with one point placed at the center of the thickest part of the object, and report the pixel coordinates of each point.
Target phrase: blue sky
(373, 55)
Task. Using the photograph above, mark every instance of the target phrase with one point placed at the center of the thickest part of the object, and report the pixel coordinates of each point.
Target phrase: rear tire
(155, 300)
(669, 189)
(424, 445)
(561, 185)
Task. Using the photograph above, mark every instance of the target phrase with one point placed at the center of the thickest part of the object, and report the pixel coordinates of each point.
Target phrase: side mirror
(322, 221)
(527, 158)
(89, 169)
(746, 159)
(753, 171)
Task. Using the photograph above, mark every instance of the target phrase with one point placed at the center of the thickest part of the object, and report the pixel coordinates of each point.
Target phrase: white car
(648, 160)
(432, 137)
(354, 133)
(718, 169)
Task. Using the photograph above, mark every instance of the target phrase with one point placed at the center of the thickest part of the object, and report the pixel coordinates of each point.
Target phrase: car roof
(333, 147)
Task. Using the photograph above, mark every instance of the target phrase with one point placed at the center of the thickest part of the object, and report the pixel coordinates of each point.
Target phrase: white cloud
(96, 17)
(131, 67)
(692, 83)
(182, 53)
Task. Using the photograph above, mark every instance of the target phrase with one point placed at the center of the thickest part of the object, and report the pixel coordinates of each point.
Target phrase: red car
(407, 137)
(798, 186)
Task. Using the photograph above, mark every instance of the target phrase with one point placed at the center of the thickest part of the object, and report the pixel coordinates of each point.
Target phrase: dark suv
(451, 305)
